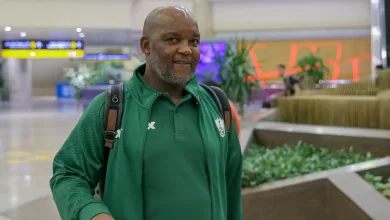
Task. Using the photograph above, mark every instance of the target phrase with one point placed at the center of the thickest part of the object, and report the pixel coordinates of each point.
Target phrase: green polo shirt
(175, 176)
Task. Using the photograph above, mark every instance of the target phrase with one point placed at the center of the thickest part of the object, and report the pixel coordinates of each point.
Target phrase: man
(235, 115)
(291, 84)
(171, 160)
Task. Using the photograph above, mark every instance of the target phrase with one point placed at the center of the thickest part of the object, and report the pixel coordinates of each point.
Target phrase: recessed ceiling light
(23, 34)
(82, 35)
(7, 28)
(78, 29)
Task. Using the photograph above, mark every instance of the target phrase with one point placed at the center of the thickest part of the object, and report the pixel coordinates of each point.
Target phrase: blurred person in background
(235, 115)
(378, 70)
(291, 84)
(172, 159)
(291, 87)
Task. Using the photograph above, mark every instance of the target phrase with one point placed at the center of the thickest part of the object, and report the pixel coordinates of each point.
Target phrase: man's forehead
(175, 9)
(169, 17)
(173, 14)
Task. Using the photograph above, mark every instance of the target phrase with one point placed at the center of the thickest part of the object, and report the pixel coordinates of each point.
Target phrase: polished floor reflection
(30, 135)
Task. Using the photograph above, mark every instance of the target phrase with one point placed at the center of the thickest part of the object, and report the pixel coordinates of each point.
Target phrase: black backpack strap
(113, 113)
(223, 104)
(112, 122)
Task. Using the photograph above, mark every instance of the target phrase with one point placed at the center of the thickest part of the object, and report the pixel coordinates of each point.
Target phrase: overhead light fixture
(23, 34)
(78, 30)
(81, 35)
(375, 32)
(384, 54)
(7, 28)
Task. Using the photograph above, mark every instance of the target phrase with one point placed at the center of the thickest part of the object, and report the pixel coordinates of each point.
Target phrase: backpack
(114, 109)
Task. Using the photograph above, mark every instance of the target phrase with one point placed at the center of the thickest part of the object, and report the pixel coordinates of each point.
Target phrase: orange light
(356, 65)
(313, 46)
(256, 63)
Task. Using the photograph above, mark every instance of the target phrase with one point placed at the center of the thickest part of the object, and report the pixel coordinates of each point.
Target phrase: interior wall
(347, 58)
(290, 14)
(46, 73)
(98, 14)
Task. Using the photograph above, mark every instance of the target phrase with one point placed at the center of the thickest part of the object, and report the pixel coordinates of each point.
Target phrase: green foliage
(238, 78)
(89, 75)
(312, 66)
(379, 183)
(263, 164)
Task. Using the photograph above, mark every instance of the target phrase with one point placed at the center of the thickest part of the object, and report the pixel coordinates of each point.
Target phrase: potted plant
(100, 73)
(379, 183)
(312, 70)
(237, 73)
(262, 164)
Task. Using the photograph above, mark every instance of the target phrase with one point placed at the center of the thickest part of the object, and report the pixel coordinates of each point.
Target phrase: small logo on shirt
(118, 133)
(220, 126)
(151, 125)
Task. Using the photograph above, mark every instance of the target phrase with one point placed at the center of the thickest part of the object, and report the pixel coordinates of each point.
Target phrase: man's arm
(233, 176)
(77, 167)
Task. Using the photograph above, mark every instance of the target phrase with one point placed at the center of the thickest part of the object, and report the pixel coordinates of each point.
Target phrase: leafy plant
(264, 164)
(379, 183)
(237, 73)
(89, 75)
(312, 69)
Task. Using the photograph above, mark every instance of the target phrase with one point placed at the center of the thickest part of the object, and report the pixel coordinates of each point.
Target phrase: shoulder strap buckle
(109, 135)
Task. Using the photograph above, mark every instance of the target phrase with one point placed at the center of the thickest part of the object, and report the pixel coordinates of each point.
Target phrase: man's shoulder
(203, 92)
(96, 105)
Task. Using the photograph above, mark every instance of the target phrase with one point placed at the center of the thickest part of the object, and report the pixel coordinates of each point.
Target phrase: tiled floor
(30, 135)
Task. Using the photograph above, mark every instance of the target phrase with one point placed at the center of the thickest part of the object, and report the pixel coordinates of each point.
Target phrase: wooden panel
(318, 200)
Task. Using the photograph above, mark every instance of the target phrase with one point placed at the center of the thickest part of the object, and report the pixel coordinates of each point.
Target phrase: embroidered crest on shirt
(220, 126)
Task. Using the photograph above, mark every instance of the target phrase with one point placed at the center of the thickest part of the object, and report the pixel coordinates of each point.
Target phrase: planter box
(363, 140)
(333, 194)
(383, 171)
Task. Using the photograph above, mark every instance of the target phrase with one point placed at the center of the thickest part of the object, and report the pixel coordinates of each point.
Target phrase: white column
(18, 79)
(203, 13)
(378, 35)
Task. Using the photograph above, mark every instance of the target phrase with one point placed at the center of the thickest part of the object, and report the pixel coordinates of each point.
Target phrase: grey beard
(165, 74)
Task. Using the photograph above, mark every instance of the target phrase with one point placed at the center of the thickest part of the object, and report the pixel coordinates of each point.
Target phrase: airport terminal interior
(309, 80)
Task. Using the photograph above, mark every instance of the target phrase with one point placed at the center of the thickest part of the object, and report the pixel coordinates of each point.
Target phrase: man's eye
(173, 40)
(195, 42)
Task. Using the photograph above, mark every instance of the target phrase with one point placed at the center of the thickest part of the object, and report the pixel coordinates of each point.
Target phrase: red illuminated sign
(294, 48)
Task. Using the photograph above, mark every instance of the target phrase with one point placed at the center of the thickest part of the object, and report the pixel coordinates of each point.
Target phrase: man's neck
(175, 92)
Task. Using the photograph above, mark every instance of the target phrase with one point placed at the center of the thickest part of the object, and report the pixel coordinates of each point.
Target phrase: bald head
(166, 15)
(170, 43)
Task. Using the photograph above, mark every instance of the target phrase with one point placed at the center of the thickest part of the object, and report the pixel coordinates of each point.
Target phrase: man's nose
(184, 48)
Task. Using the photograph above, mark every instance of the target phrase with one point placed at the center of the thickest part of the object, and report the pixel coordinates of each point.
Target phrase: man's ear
(144, 45)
